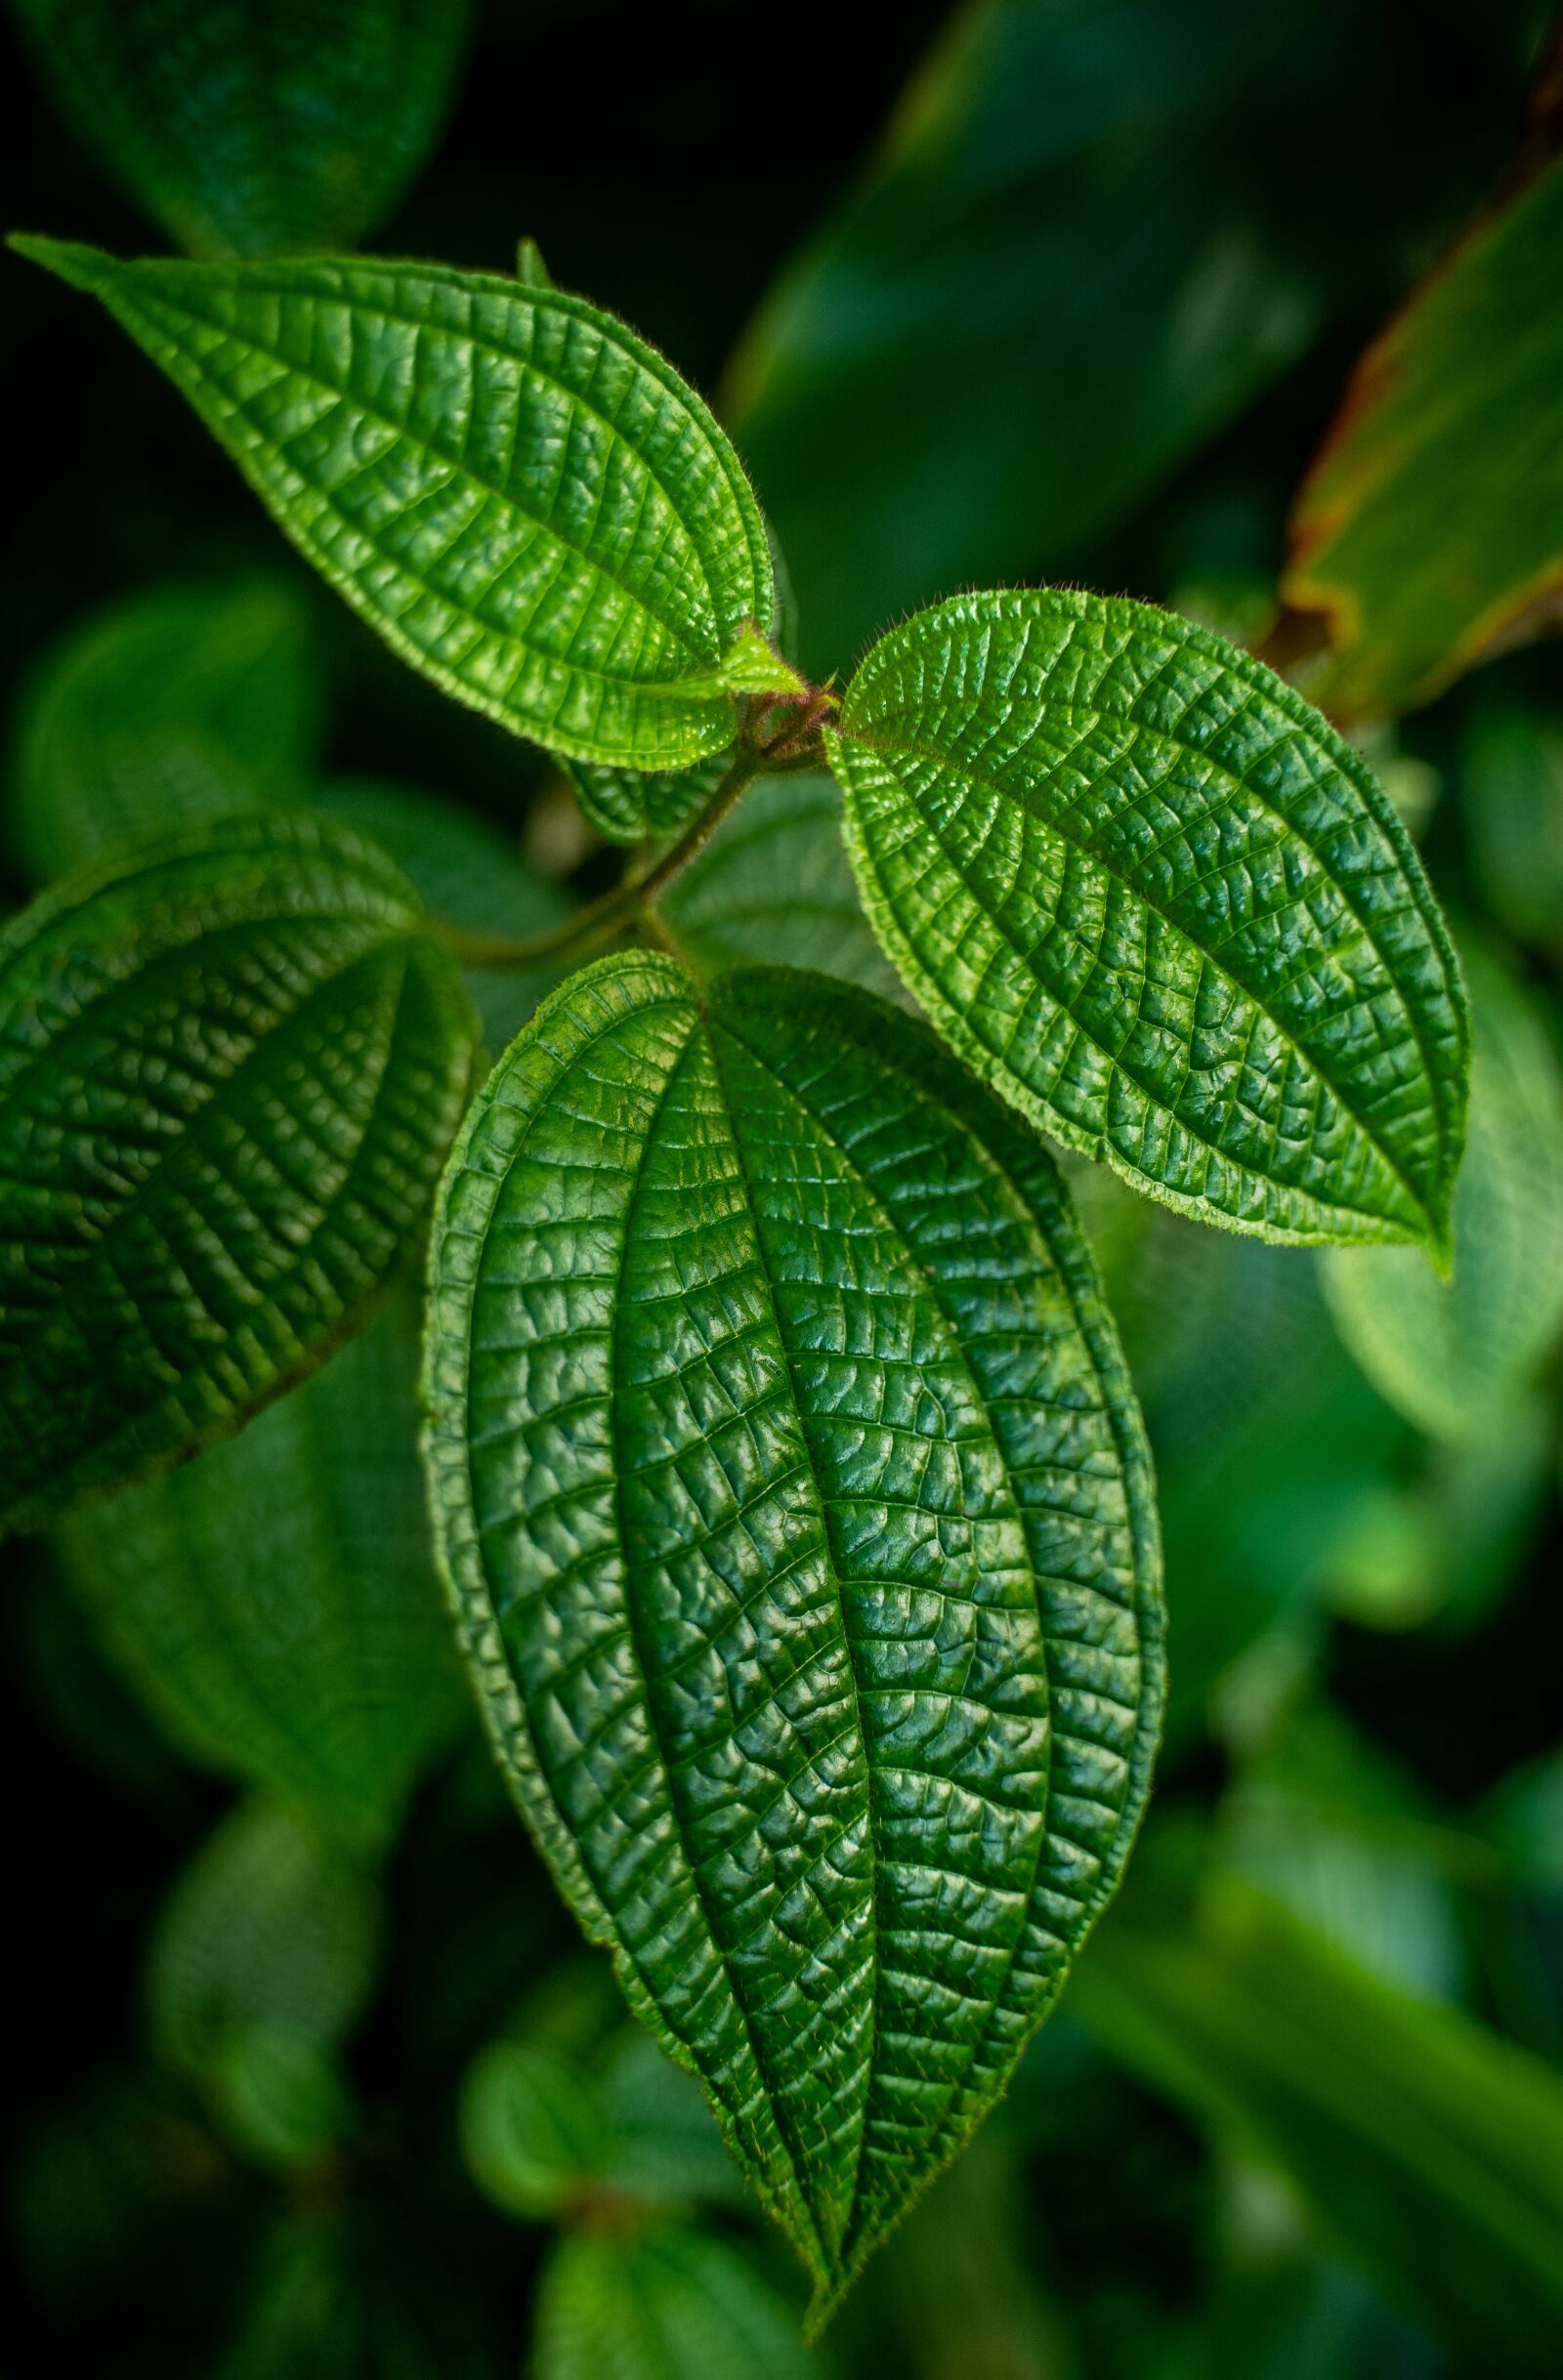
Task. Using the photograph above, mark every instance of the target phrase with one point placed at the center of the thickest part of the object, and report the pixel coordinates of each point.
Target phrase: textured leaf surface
(662, 2304)
(229, 1073)
(774, 878)
(256, 127)
(794, 1500)
(522, 497)
(626, 804)
(1429, 2150)
(1459, 1357)
(1146, 891)
(275, 1602)
(182, 705)
(1431, 525)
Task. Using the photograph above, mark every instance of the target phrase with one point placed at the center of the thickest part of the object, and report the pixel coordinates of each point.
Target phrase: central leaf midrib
(973, 776)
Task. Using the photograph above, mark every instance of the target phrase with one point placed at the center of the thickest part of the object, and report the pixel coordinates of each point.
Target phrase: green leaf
(1511, 789)
(661, 2304)
(1458, 1358)
(229, 1073)
(275, 1602)
(1072, 261)
(1431, 2152)
(795, 1501)
(1430, 527)
(774, 877)
(534, 2134)
(256, 127)
(185, 703)
(628, 805)
(1156, 901)
(522, 497)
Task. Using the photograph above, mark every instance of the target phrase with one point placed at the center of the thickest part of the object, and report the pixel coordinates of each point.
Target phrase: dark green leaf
(522, 497)
(1429, 2150)
(794, 1500)
(1431, 525)
(1156, 901)
(275, 1602)
(661, 2304)
(628, 805)
(183, 704)
(534, 2130)
(1511, 802)
(256, 127)
(229, 1073)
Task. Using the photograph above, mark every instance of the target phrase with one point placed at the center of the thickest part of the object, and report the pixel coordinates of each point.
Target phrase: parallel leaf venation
(1150, 894)
(797, 1514)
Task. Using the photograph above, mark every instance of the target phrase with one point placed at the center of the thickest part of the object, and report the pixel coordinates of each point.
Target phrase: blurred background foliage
(315, 2076)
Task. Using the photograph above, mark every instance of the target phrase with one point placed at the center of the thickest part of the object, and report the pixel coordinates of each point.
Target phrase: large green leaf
(1074, 260)
(1156, 901)
(229, 1073)
(664, 2304)
(1431, 525)
(1459, 1357)
(275, 1602)
(521, 496)
(182, 705)
(795, 1501)
(256, 127)
(1426, 2148)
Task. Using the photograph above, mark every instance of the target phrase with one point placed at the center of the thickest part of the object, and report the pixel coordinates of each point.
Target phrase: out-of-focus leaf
(963, 2300)
(345, 2295)
(1430, 527)
(1458, 1358)
(274, 1601)
(774, 878)
(1431, 2151)
(256, 127)
(468, 875)
(230, 1069)
(406, 424)
(283, 2101)
(534, 2130)
(665, 2144)
(1149, 895)
(1072, 263)
(182, 705)
(662, 2304)
(1511, 804)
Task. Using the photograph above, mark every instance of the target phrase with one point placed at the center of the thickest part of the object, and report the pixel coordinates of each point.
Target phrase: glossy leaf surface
(229, 1073)
(628, 805)
(1431, 525)
(521, 496)
(662, 2304)
(794, 1497)
(1150, 894)
(1458, 1358)
(256, 127)
(275, 1602)
(182, 705)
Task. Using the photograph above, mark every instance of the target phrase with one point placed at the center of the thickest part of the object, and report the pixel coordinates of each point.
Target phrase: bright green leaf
(534, 2134)
(229, 1073)
(661, 2304)
(1150, 894)
(774, 877)
(256, 127)
(1431, 2152)
(794, 1500)
(275, 1602)
(1456, 1358)
(182, 705)
(1432, 524)
(521, 496)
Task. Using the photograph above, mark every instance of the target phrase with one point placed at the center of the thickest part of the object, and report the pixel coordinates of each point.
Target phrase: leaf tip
(530, 270)
(67, 260)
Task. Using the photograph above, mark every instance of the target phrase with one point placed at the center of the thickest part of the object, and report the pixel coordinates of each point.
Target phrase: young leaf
(1156, 901)
(1431, 525)
(628, 805)
(665, 2304)
(522, 497)
(275, 1602)
(794, 1500)
(256, 127)
(228, 1072)
(185, 703)
(1458, 1358)
(533, 2131)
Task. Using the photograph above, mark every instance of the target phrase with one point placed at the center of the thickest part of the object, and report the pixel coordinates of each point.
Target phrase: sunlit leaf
(521, 496)
(1431, 525)
(793, 1498)
(256, 127)
(1150, 896)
